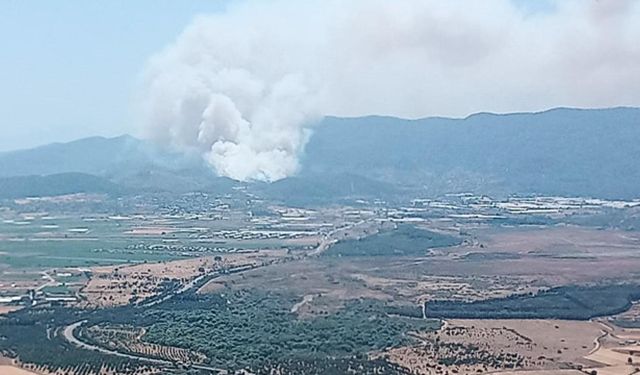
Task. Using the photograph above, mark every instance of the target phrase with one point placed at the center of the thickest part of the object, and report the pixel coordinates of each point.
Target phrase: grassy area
(73, 253)
(77, 242)
(57, 289)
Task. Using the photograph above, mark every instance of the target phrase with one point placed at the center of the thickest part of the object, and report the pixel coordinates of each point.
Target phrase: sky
(68, 68)
(71, 69)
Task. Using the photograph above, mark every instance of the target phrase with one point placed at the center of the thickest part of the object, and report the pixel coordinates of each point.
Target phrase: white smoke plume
(243, 87)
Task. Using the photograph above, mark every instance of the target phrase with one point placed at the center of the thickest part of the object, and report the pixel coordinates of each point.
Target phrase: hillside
(95, 155)
(56, 184)
(124, 160)
(561, 151)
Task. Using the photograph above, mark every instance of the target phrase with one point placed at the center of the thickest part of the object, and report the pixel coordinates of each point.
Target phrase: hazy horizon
(141, 137)
(77, 67)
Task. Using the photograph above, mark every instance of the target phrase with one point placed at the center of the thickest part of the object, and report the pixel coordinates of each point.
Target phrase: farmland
(143, 288)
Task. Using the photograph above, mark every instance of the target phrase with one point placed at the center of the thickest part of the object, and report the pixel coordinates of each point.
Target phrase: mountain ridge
(564, 151)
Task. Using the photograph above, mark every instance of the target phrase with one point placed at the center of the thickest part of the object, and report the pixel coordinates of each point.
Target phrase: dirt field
(326, 288)
(11, 370)
(510, 261)
(386, 279)
(523, 347)
(562, 240)
(470, 346)
(617, 351)
(8, 309)
(117, 285)
(543, 256)
(15, 283)
(558, 340)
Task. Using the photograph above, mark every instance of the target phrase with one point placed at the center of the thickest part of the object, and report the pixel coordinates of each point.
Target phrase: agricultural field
(331, 289)
(86, 243)
(34, 235)
(120, 285)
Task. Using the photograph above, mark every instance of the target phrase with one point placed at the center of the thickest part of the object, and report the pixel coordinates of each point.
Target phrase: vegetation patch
(250, 329)
(404, 240)
(627, 323)
(568, 302)
(34, 336)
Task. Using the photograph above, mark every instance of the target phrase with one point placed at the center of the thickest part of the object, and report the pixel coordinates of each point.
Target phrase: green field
(78, 242)
(58, 289)
(73, 253)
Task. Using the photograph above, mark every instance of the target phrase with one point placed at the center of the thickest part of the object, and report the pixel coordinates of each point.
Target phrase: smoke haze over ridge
(244, 87)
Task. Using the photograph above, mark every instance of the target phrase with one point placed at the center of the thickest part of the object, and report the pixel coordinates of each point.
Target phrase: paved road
(181, 290)
(68, 334)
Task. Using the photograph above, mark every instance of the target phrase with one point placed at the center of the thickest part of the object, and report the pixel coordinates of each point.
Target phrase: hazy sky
(69, 69)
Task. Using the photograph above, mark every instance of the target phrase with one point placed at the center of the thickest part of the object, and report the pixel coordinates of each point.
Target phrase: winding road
(68, 334)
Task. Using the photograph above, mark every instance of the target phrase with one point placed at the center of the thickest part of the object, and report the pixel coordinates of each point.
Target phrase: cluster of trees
(31, 335)
(405, 240)
(567, 302)
(627, 323)
(409, 311)
(249, 329)
(458, 354)
(126, 339)
(256, 330)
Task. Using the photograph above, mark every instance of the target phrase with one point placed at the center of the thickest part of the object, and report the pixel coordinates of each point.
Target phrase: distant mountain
(95, 155)
(57, 184)
(125, 160)
(593, 152)
(563, 151)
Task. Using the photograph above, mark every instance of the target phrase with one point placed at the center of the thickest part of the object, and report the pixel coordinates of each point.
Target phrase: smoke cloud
(244, 87)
